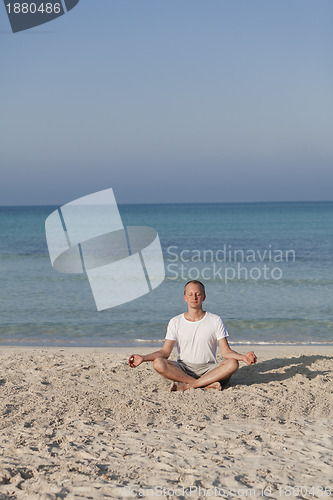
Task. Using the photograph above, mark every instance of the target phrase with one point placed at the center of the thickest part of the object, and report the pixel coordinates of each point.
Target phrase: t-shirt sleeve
(221, 331)
(171, 331)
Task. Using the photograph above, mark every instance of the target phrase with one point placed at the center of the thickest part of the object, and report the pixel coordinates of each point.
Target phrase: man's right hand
(135, 360)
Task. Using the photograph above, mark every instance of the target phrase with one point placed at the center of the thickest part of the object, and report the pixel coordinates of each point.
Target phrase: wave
(245, 342)
(88, 343)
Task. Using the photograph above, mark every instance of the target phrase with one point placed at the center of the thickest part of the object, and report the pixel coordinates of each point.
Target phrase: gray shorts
(195, 370)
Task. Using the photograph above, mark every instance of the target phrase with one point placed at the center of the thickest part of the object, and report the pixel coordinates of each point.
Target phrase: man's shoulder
(177, 319)
(173, 327)
(213, 317)
(218, 325)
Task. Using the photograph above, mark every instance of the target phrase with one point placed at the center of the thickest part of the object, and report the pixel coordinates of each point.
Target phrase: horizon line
(179, 203)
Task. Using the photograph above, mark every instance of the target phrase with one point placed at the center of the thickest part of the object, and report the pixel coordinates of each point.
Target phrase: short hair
(195, 282)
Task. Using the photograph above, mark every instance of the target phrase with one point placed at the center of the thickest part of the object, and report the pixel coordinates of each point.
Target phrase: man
(197, 334)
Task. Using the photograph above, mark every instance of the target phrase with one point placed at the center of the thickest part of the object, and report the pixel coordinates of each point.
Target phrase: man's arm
(136, 359)
(249, 358)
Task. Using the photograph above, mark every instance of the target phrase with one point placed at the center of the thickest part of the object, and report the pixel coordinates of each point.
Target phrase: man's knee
(159, 364)
(233, 364)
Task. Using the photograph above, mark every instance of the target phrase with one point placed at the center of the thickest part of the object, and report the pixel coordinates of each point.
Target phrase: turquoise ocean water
(267, 267)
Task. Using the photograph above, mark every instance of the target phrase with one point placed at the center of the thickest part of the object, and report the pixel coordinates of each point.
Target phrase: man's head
(194, 294)
(195, 282)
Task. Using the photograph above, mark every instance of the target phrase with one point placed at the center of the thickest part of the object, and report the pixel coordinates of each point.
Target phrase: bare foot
(214, 385)
(178, 386)
(181, 386)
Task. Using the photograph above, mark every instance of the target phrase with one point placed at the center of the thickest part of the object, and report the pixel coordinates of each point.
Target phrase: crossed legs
(211, 379)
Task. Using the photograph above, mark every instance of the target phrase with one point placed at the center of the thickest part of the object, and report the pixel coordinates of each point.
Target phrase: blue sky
(169, 101)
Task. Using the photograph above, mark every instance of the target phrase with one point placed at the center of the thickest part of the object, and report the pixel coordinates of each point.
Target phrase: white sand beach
(79, 423)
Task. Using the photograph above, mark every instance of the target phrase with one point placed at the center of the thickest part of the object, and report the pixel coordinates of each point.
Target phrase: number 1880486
(33, 8)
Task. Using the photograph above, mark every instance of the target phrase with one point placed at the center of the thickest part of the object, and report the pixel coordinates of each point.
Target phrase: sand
(79, 423)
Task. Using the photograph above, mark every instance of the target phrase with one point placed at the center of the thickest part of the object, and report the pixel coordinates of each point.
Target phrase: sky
(169, 101)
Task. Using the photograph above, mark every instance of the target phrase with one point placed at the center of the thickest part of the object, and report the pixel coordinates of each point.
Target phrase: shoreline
(293, 348)
(79, 423)
(139, 344)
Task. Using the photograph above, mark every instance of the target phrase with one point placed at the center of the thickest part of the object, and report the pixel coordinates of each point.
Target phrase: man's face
(194, 295)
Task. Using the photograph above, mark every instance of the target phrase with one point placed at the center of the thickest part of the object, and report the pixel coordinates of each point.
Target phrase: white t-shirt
(196, 341)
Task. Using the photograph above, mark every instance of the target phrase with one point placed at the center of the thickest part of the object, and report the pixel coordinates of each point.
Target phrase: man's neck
(194, 314)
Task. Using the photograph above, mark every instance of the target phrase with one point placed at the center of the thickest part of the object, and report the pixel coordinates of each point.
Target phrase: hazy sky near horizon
(169, 101)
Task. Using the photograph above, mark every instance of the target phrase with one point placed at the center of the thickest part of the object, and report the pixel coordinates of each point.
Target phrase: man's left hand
(250, 358)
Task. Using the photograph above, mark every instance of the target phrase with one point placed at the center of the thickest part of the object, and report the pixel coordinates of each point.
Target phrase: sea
(267, 269)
